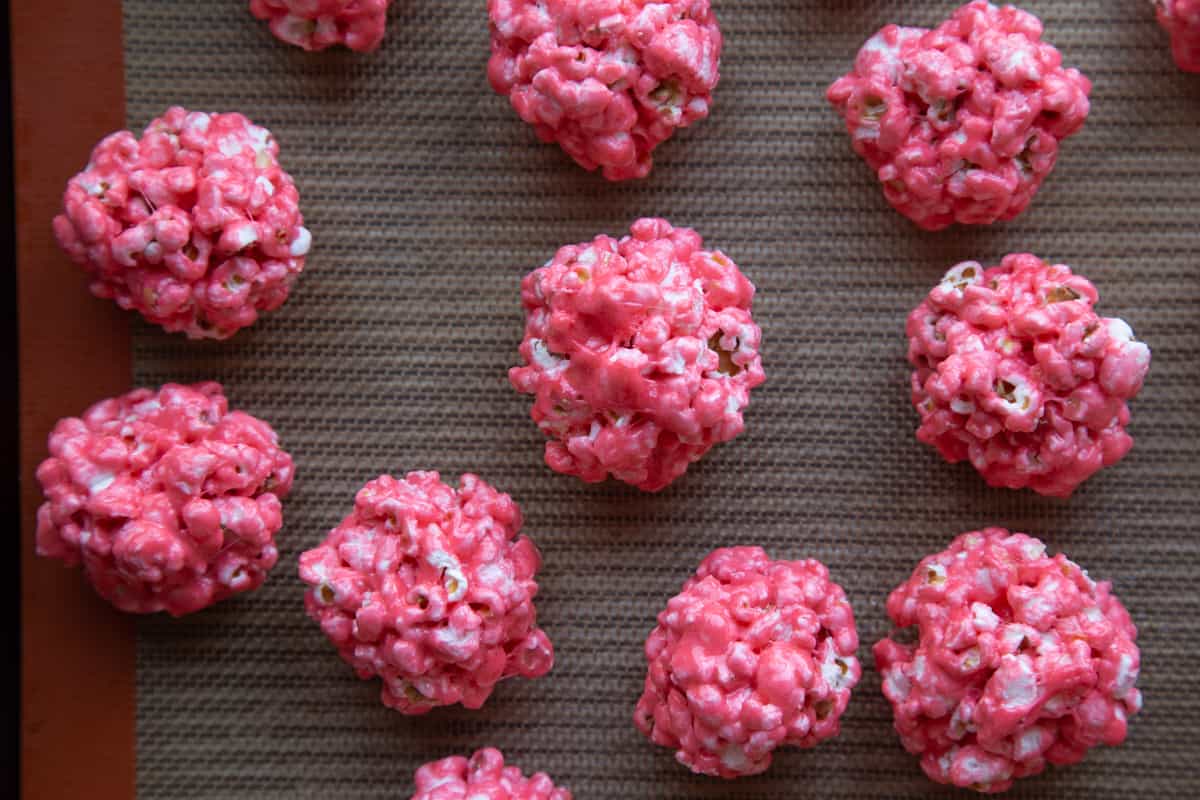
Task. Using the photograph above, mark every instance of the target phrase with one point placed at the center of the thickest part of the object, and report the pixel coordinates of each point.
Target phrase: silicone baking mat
(428, 200)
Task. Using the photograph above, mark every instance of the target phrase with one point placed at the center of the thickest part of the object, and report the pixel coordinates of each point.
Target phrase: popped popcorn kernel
(318, 24)
(1181, 19)
(608, 80)
(640, 353)
(1021, 661)
(429, 588)
(195, 225)
(484, 776)
(961, 123)
(1015, 372)
(751, 655)
(169, 500)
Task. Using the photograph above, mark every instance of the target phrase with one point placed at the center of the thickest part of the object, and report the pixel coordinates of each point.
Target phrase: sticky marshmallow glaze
(961, 123)
(429, 588)
(483, 777)
(1021, 661)
(169, 500)
(751, 655)
(195, 225)
(609, 80)
(1181, 19)
(1015, 372)
(318, 24)
(640, 353)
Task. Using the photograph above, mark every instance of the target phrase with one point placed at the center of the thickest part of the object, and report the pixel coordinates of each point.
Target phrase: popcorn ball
(1017, 373)
(195, 225)
(317, 24)
(483, 777)
(429, 588)
(1181, 19)
(961, 123)
(752, 655)
(640, 353)
(1021, 660)
(168, 499)
(609, 80)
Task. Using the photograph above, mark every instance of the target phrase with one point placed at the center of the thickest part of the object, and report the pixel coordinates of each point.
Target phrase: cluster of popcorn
(641, 354)
(1181, 19)
(1016, 373)
(483, 777)
(961, 123)
(168, 499)
(1022, 660)
(751, 655)
(318, 24)
(427, 587)
(609, 80)
(195, 225)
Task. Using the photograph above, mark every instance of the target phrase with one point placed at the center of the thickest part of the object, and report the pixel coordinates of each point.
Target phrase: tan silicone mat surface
(428, 200)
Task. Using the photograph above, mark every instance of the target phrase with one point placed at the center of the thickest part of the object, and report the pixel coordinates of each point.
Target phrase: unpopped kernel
(317, 24)
(195, 225)
(483, 777)
(641, 354)
(1016, 373)
(961, 123)
(429, 588)
(609, 80)
(1022, 660)
(751, 655)
(168, 499)
(1181, 19)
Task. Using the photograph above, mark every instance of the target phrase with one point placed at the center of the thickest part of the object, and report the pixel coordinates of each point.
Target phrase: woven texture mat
(428, 200)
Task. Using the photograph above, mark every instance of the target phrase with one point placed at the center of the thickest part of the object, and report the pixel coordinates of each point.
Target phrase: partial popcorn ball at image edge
(195, 225)
(169, 500)
(318, 24)
(608, 81)
(1016, 373)
(1022, 661)
(1181, 19)
(961, 123)
(484, 776)
(751, 655)
(429, 588)
(640, 353)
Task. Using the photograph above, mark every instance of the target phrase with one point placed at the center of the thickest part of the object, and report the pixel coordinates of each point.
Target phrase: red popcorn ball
(317, 24)
(1022, 660)
(641, 354)
(168, 499)
(751, 655)
(1181, 19)
(961, 123)
(1017, 373)
(430, 588)
(609, 80)
(483, 777)
(195, 225)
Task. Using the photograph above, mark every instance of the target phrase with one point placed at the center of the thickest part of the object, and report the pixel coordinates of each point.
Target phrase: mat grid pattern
(428, 200)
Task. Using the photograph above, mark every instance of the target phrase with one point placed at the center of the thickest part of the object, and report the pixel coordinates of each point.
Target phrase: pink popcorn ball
(1017, 373)
(168, 499)
(1022, 660)
(195, 225)
(317, 24)
(483, 777)
(430, 588)
(1181, 19)
(609, 80)
(751, 655)
(961, 123)
(640, 353)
